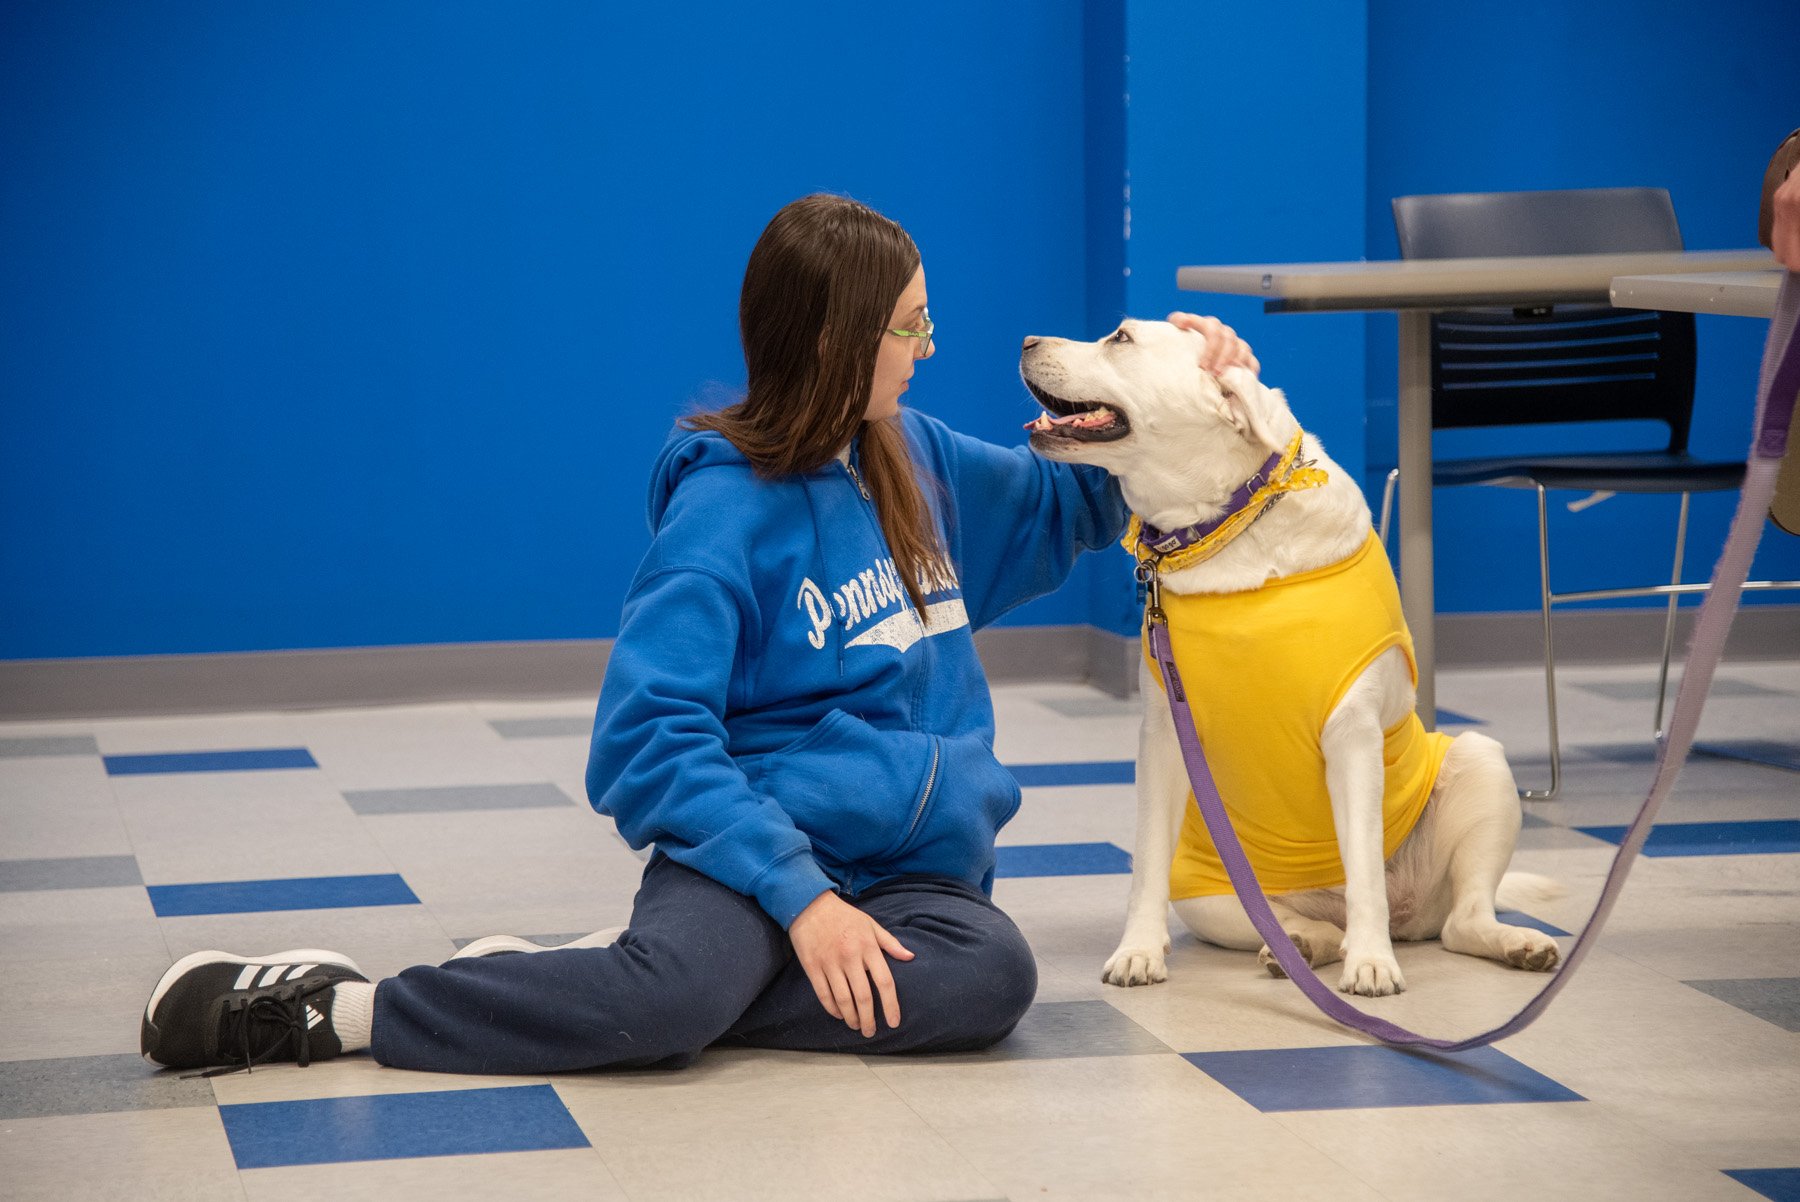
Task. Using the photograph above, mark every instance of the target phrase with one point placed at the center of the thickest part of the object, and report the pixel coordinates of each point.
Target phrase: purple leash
(1780, 382)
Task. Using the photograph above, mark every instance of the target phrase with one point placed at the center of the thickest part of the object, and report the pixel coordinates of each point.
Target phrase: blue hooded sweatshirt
(776, 715)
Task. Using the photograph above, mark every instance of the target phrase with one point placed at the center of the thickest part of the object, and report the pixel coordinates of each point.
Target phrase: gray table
(1415, 288)
(1735, 293)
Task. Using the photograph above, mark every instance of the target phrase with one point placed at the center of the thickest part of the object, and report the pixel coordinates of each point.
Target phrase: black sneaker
(214, 1008)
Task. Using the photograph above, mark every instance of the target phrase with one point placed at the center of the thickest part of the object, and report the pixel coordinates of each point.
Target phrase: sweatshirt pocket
(856, 791)
(971, 799)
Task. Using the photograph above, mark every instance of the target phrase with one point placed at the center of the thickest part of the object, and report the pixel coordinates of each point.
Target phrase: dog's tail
(1521, 890)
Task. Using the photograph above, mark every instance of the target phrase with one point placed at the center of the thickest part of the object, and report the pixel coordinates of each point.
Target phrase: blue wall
(1229, 165)
(357, 324)
(340, 324)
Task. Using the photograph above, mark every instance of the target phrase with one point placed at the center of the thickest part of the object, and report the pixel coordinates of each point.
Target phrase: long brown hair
(818, 293)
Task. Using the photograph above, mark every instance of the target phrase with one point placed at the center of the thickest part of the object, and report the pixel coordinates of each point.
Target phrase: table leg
(1417, 595)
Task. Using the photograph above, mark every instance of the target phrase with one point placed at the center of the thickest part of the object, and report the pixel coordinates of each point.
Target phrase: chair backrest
(1580, 221)
(1573, 363)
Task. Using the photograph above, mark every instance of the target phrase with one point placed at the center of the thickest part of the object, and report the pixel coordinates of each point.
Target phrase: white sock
(352, 1013)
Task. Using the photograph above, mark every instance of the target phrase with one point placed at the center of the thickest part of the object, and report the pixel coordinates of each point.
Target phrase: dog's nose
(1031, 340)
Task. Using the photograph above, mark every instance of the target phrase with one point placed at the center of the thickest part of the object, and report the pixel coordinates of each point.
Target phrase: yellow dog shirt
(1263, 669)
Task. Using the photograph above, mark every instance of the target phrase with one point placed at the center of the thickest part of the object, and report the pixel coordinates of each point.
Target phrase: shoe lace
(269, 1018)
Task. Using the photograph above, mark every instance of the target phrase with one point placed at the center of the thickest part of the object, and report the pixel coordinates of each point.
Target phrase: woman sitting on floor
(793, 715)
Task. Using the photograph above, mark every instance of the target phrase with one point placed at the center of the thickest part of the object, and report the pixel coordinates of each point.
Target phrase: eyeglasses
(923, 334)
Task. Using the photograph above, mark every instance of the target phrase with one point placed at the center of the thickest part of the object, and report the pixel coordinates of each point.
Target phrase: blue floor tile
(1518, 918)
(1772, 999)
(1783, 1185)
(455, 1122)
(247, 760)
(1103, 772)
(1452, 718)
(1711, 838)
(1362, 1077)
(1061, 859)
(296, 893)
(1785, 756)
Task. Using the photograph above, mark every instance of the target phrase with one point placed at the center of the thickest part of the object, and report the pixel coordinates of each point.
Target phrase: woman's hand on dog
(841, 949)
(1223, 347)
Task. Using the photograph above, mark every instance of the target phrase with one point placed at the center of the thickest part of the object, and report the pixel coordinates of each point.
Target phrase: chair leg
(1387, 505)
(1662, 680)
(1549, 656)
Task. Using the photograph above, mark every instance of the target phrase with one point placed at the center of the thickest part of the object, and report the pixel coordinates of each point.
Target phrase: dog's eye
(1120, 335)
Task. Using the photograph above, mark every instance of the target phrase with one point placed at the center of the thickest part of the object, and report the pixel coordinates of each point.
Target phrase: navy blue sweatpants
(702, 964)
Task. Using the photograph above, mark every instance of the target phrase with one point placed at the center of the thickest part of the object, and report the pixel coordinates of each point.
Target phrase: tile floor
(1669, 1069)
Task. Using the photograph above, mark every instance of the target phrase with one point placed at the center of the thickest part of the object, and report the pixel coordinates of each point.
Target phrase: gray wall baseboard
(126, 686)
(1019, 654)
(1607, 636)
(330, 677)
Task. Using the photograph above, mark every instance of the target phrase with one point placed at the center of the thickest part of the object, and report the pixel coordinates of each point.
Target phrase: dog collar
(1171, 551)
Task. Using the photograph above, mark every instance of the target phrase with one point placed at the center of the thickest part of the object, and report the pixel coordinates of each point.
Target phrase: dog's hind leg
(1308, 919)
(1475, 829)
(1220, 919)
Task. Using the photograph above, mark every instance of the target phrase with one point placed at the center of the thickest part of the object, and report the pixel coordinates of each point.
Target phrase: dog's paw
(1530, 950)
(1135, 966)
(1372, 975)
(1317, 953)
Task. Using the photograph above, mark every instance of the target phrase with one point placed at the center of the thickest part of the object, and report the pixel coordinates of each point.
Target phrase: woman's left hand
(1223, 347)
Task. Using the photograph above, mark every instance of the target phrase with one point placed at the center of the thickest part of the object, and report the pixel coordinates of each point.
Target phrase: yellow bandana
(1291, 474)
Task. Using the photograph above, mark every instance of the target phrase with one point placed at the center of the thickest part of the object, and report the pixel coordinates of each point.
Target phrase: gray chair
(1564, 363)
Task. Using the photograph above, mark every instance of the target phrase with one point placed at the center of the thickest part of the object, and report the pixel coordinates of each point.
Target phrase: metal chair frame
(1674, 590)
(1650, 378)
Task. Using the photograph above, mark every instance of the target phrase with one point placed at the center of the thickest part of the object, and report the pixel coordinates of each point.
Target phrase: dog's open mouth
(1076, 421)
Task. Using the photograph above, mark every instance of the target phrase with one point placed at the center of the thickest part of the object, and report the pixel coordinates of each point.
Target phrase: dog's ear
(1253, 410)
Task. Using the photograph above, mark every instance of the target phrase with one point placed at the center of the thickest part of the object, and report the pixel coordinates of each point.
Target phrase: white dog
(1181, 442)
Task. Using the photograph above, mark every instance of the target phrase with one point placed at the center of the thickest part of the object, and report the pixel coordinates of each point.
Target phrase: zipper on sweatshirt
(856, 479)
(937, 751)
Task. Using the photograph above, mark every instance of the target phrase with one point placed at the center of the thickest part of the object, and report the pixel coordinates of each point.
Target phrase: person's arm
(1018, 521)
(1015, 522)
(659, 766)
(1778, 224)
(658, 763)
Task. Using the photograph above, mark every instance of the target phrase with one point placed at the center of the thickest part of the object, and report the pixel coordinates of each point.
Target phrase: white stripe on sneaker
(245, 977)
(313, 1018)
(301, 971)
(272, 976)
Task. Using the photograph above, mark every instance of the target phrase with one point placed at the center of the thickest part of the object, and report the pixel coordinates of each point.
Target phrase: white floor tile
(58, 806)
(64, 924)
(351, 1076)
(200, 732)
(180, 1153)
(1560, 1150)
(244, 826)
(905, 1163)
(526, 1176)
(78, 1006)
(1680, 1084)
(1172, 1153)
